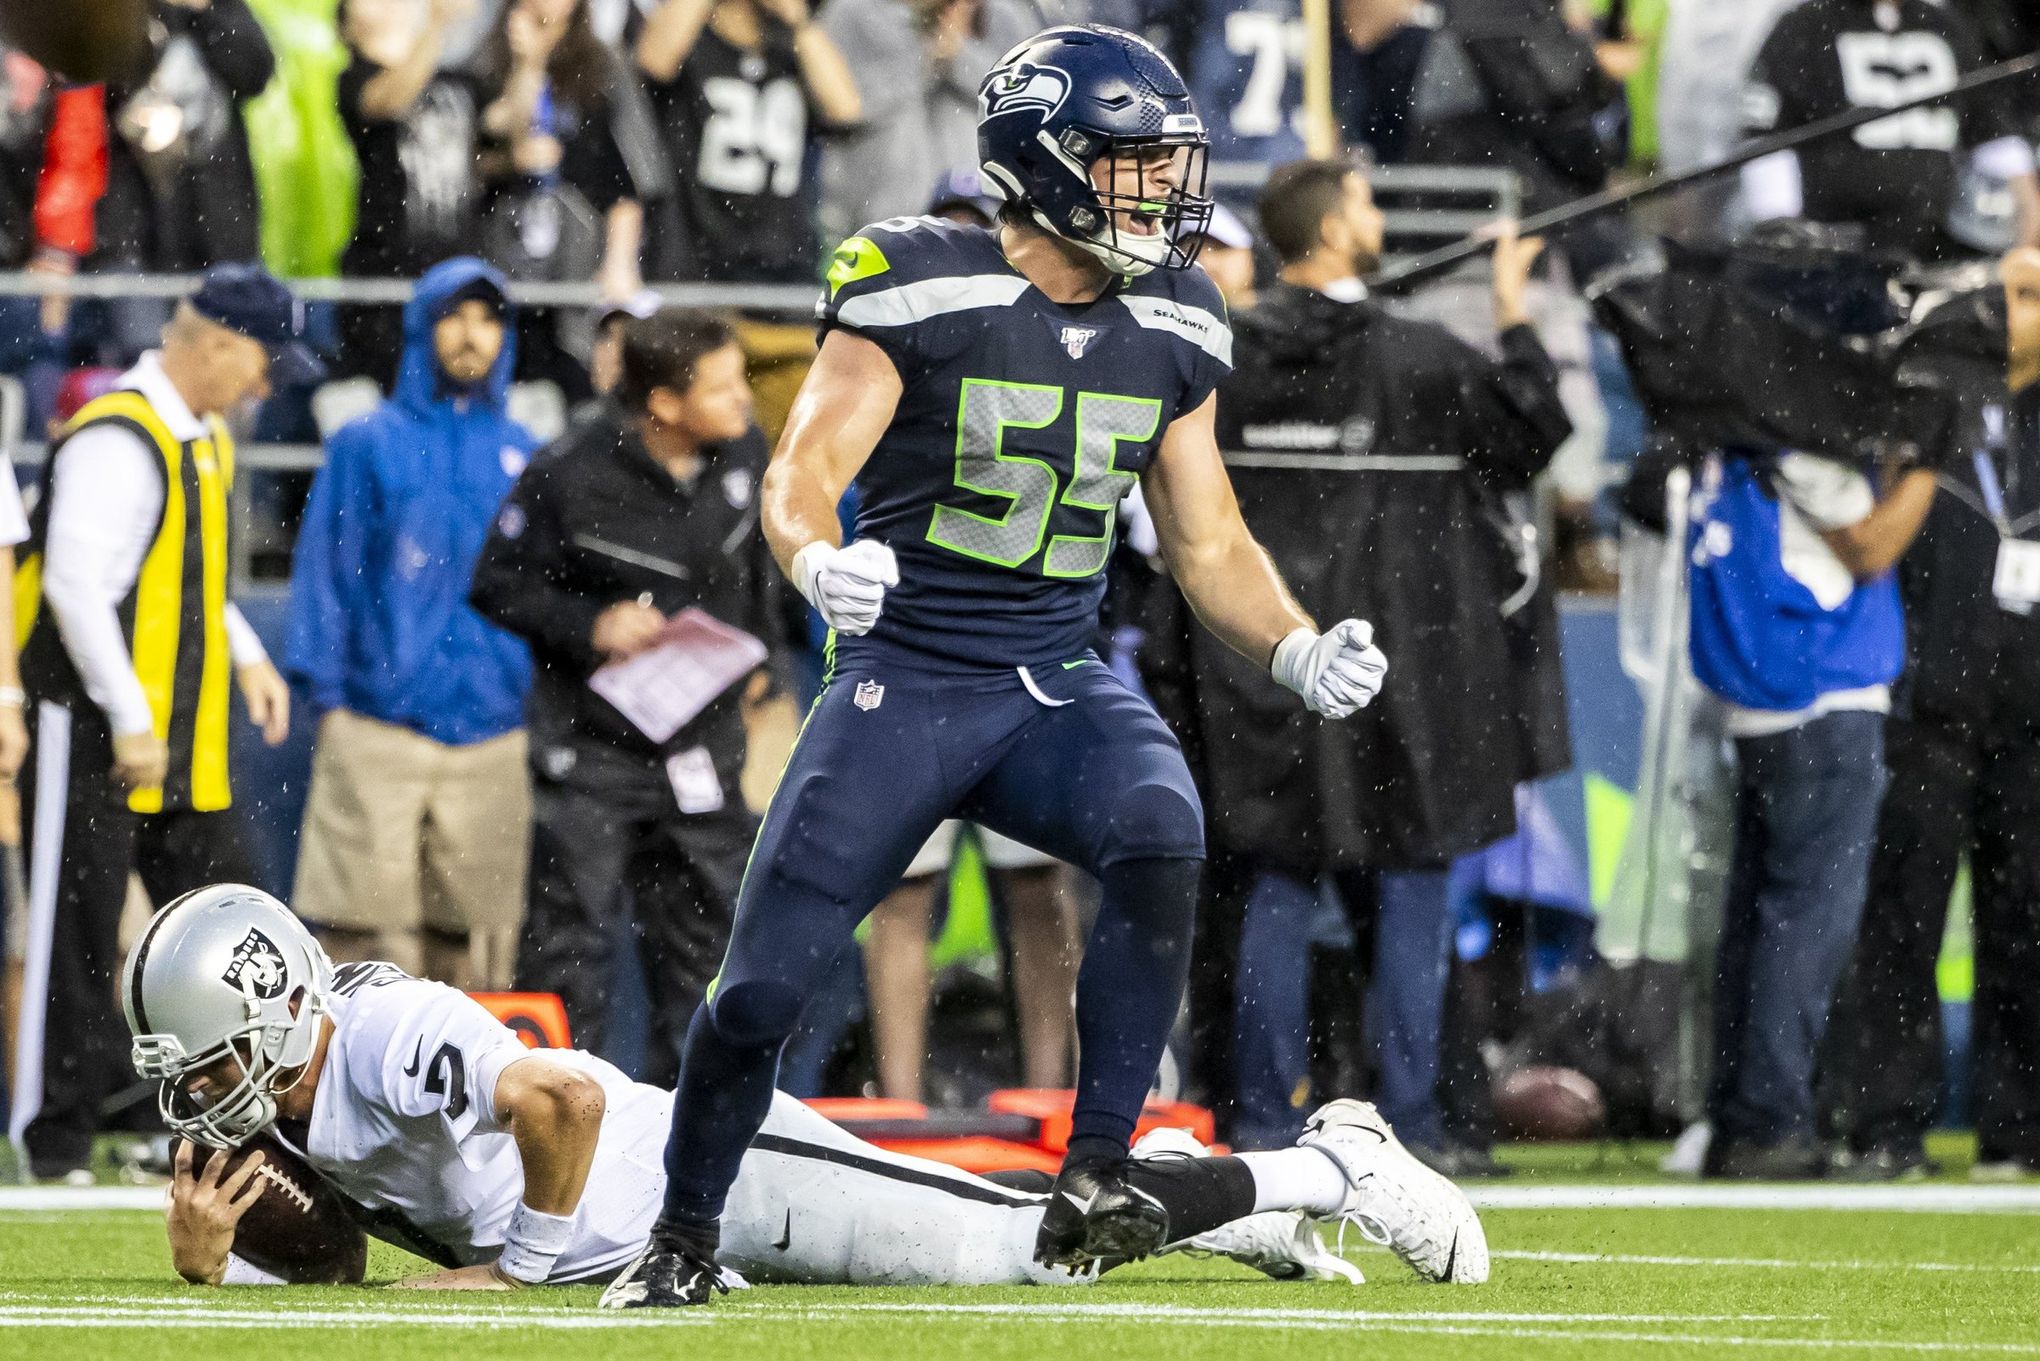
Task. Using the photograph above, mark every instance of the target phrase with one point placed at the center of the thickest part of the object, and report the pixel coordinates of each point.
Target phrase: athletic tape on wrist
(534, 1242)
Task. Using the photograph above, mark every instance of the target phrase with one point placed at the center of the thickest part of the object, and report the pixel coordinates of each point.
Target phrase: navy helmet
(1073, 96)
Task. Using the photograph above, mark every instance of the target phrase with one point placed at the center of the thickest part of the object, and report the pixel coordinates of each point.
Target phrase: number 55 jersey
(1021, 424)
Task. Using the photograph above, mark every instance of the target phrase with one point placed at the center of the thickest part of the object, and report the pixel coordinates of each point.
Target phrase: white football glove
(1336, 672)
(846, 585)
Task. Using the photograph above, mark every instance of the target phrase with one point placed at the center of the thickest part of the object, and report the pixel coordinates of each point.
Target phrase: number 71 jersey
(1021, 424)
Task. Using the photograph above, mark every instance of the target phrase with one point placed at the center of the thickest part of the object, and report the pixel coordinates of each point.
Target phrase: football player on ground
(511, 1166)
(993, 393)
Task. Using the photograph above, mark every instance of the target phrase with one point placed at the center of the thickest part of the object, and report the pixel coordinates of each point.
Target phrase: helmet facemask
(256, 1063)
(1121, 223)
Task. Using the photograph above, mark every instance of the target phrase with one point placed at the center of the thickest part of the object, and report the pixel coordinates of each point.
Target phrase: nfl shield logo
(1077, 339)
(870, 694)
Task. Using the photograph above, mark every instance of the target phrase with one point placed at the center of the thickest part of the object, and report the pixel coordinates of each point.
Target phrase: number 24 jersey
(1021, 424)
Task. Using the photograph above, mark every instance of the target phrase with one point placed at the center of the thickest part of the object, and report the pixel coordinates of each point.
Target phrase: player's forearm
(555, 1119)
(1238, 594)
(798, 511)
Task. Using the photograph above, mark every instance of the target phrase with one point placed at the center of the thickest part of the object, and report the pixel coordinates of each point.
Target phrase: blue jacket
(379, 619)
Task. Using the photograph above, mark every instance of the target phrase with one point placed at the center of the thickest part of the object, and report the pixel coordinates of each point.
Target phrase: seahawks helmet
(213, 979)
(1076, 95)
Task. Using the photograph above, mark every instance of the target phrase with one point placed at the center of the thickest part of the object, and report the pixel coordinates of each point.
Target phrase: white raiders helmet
(212, 978)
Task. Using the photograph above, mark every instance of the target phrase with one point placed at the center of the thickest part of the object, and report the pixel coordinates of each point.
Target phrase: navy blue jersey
(1020, 425)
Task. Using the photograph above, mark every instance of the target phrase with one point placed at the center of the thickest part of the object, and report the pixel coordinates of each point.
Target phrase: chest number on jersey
(1032, 487)
(756, 136)
(1884, 70)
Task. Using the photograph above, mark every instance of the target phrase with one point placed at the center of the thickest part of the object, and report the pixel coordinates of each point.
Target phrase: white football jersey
(404, 1124)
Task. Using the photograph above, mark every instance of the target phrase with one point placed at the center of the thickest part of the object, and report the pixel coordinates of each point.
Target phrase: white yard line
(1931, 1198)
(1471, 1327)
(1775, 1263)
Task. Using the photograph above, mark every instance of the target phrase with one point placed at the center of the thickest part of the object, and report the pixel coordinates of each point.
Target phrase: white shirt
(404, 1123)
(13, 519)
(1815, 495)
(106, 498)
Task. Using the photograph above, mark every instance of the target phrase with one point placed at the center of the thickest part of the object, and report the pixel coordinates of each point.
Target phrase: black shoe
(1797, 1159)
(666, 1275)
(1094, 1215)
(1883, 1164)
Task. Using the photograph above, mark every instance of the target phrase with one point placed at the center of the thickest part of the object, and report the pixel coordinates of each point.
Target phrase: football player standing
(993, 393)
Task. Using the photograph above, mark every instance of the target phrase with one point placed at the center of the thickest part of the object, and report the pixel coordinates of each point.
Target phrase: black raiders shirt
(736, 125)
(1896, 176)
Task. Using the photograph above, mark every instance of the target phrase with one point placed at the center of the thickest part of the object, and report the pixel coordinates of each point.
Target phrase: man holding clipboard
(629, 557)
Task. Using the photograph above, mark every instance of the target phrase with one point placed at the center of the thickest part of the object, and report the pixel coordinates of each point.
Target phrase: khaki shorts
(402, 832)
(1001, 852)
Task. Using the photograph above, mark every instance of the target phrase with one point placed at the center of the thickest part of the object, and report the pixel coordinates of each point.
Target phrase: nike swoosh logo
(417, 1052)
(1083, 1206)
(785, 1234)
(1451, 1257)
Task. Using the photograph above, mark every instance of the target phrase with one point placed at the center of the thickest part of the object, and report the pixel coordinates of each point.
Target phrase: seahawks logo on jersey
(1026, 86)
(257, 967)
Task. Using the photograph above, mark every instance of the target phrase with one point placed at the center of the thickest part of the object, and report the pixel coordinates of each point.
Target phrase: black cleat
(665, 1276)
(1094, 1216)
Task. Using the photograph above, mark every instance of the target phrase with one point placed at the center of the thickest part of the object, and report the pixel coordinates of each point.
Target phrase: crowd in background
(477, 814)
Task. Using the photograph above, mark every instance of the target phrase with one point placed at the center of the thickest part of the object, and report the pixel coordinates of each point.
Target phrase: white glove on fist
(1336, 672)
(846, 585)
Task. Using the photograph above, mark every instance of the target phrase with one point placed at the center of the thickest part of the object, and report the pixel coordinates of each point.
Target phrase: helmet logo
(257, 968)
(1025, 86)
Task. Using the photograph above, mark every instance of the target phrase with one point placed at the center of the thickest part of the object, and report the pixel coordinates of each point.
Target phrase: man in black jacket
(1962, 746)
(1371, 455)
(645, 510)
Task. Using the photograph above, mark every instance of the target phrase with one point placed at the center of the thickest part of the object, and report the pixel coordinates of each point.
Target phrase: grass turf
(1567, 1283)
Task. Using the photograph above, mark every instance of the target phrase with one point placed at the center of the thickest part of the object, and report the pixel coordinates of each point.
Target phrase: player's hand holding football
(846, 585)
(205, 1209)
(1336, 671)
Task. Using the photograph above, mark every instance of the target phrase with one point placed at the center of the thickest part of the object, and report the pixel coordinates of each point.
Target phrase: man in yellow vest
(129, 648)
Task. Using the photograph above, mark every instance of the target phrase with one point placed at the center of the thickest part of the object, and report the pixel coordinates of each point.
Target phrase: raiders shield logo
(257, 967)
(1077, 339)
(869, 695)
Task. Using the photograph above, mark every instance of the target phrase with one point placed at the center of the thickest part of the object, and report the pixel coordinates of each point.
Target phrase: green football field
(1592, 1259)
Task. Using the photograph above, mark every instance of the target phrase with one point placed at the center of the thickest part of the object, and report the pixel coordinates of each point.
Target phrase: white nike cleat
(1396, 1201)
(1167, 1142)
(1282, 1244)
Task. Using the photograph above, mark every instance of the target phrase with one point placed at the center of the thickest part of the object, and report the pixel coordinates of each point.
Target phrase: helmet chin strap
(1128, 259)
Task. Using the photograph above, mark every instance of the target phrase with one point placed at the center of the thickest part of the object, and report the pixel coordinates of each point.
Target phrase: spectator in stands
(415, 129)
(180, 181)
(572, 162)
(414, 840)
(640, 513)
(917, 64)
(52, 174)
(1370, 454)
(1796, 626)
(1897, 181)
(130, 638)
(736, 84)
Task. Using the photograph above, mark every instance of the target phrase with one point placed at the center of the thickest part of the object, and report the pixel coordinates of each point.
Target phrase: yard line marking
(1925, 1199)
(1390, 1323)
(1785, 1263)
(1934, 1199)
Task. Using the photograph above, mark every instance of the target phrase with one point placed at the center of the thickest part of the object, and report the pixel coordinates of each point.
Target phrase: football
(298, 1228)
(1546, 1102)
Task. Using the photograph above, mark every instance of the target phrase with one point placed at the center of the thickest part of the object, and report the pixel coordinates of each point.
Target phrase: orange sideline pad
(539, 1018)
(1019, 1127)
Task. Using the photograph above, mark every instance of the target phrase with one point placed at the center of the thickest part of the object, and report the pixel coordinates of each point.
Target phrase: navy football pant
(1065, 759)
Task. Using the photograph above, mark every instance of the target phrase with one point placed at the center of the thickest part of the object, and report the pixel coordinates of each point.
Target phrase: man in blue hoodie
(416, 833)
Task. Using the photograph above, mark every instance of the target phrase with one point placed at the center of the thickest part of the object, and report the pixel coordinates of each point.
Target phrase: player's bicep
(843, 407)
(1188, 493)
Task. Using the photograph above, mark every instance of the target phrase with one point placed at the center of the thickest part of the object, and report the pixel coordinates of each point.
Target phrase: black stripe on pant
(81, 841)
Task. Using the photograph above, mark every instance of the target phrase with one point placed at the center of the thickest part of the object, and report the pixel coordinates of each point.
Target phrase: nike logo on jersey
(785, 1234)
(417, 1057)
